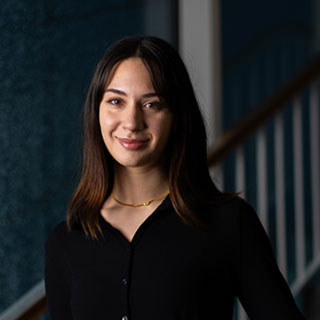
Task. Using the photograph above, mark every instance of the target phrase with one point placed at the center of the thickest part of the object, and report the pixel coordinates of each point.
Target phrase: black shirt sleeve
(56, 278)
(262, 290)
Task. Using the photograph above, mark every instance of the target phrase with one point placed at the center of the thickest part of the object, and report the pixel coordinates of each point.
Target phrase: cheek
(108, 124)
(168, 124)
(164, 129)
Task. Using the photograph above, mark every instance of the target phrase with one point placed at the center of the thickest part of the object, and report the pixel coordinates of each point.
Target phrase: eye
(155, 105)
(114, 101)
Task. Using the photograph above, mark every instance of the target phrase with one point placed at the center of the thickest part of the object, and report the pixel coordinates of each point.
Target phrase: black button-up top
(170, 270)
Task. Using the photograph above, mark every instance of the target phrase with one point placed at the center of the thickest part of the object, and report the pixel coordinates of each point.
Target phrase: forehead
(131, 71)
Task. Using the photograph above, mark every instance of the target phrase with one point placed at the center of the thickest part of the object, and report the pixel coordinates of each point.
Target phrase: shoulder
(234, 211)
(63, 240)
(243, 225)
(234, 218)
(57, 237)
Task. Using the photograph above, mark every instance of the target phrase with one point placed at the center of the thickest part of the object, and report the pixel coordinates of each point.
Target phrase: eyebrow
(122, 93)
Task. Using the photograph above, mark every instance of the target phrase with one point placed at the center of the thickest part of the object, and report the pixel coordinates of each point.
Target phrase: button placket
(124, 283)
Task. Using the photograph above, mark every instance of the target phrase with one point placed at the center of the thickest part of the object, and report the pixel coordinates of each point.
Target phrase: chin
(139, 160)
(133, 163)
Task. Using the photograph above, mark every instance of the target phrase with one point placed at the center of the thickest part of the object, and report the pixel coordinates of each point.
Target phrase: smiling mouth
(133, 144)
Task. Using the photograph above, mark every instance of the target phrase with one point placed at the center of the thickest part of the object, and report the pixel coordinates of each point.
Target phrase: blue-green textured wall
(48, 50)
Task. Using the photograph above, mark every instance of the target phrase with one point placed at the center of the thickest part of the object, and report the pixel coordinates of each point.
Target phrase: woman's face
(135, 125)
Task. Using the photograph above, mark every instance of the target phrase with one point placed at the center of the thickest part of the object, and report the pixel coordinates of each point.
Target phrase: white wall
(199, 45)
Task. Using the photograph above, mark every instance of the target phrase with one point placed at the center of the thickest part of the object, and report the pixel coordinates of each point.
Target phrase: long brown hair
(191, 188)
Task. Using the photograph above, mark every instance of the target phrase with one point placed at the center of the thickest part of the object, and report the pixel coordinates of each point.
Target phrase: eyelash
(152, 105)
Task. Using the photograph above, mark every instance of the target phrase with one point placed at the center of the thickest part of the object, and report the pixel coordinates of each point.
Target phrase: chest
(166, 264)
(127, 220)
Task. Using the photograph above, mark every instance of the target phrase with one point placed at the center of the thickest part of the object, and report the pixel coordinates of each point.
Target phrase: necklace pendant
(146, 203)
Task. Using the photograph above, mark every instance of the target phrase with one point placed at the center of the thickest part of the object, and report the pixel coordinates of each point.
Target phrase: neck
(135, 185)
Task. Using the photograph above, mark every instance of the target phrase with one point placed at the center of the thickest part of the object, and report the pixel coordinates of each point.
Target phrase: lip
(132, 144)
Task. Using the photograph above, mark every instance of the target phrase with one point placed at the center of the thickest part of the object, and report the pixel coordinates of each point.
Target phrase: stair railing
(291, 95)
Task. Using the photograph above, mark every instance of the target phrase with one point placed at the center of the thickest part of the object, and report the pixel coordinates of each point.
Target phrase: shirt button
(124, 318)
(124, 281)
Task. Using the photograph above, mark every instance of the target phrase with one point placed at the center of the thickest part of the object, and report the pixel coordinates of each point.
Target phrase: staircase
(284, 134)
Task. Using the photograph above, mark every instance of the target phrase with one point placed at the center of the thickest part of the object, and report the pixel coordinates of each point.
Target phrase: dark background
(48, 52)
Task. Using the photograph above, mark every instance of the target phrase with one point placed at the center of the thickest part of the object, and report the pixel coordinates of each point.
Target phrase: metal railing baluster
(240, 172)
(262, 178)
(240, 186)
(281, 240)
(315, 160)
(298, 188)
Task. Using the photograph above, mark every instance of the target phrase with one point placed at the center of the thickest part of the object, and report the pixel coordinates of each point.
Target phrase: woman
(148, 235)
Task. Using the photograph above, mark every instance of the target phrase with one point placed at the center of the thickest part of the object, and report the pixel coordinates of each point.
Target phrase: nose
(133, 118)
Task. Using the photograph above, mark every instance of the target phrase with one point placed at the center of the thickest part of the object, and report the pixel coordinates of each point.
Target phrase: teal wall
(263, 44)
(48, 51)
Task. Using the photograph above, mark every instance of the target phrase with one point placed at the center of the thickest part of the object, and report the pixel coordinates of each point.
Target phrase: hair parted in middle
(191, 187)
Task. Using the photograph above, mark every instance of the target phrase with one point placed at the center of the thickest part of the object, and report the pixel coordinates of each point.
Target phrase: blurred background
(250, 64)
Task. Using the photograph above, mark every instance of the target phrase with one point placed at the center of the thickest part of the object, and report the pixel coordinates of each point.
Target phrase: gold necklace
(146, 203)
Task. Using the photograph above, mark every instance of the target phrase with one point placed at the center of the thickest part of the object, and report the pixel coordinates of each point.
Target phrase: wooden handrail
(263, 112)
(29, 307)
(35, 311)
